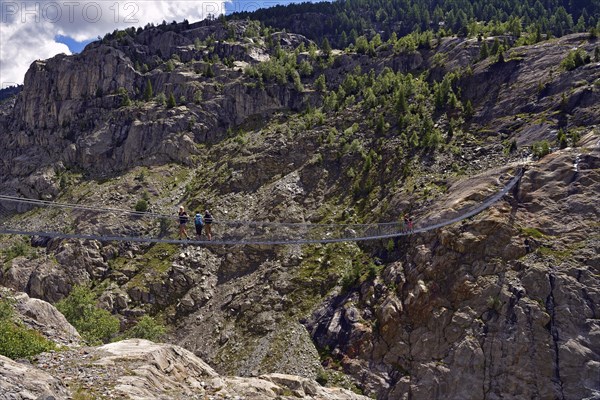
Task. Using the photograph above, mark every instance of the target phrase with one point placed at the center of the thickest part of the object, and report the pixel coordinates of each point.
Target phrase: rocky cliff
(260, 126)
(500, 306)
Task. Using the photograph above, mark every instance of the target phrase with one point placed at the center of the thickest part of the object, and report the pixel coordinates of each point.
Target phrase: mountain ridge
(285, 131)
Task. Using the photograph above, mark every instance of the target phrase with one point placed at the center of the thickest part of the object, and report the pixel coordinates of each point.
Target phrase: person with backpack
(208, 220)
(183, 218)
(199, 224)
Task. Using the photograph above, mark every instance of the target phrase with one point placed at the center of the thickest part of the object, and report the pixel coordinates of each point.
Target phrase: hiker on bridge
(198, 224)
(407, 224)
(208, 220)
(183, 219)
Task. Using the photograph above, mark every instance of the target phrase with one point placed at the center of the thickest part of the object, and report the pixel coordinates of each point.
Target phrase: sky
(39, 29)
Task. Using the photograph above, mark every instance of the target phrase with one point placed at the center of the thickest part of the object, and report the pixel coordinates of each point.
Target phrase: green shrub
(171, 102)
(540, 149)
(322, 378)
(125, 101)
(198, 96)
(350, 277)
(561, 138)
(93, 323)
(510, 146)
(164, 225)
(390, 246)
(6, 309)
(494, 303)
(533, 232)
(141, 205)
(574, 136)
(575, 59)
(17, 341)
(161, 99)
(209, 72)
(18, 249)
(146, 328)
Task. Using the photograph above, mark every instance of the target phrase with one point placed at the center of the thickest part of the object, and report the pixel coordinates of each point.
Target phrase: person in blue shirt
(198, 224)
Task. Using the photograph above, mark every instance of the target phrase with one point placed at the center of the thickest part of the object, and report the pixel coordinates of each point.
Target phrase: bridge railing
(50, 219)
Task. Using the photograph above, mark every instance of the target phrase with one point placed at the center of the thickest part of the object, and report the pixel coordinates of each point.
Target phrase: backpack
(198, 220)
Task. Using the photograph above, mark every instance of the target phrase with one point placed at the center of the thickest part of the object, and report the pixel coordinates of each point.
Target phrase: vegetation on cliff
(375, 117)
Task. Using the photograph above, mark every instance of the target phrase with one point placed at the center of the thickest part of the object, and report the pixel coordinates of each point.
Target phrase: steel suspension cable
(72, 221)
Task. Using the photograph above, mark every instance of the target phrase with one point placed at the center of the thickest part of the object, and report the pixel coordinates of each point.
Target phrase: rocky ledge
(140, 369)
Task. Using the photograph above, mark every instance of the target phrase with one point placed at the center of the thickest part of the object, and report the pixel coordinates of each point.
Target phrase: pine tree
(380, 125)
(148, 92)
(171, 102)
(501, 56)
(414, 139)
(326, 47)
(376, 41)
(468, 110)
(401, 103)
(343, 41)
(125, 101)
(320, 84)
(484, 51)
(495, 47)
(562, 139)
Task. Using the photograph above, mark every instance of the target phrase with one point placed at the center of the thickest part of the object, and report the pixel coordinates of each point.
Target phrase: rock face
(22, 381)
(51, 279)
(476, 312)
(46, 319)
(140, 369)
(503, 304)
(73, 110)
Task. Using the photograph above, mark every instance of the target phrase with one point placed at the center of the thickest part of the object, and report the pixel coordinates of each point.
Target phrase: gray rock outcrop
(22, 381)
(46, 319)
(140, 369)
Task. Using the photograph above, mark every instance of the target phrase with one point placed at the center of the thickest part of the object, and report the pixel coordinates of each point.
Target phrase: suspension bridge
(32, 217)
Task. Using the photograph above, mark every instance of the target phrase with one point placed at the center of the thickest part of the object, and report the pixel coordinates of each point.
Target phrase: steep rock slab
(21, 381)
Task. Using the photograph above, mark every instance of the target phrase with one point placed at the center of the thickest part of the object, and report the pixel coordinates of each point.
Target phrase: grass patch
(558, 254)
(152, 266)
(328, 266)
(82, 393)
(17, 249)
(533, 232)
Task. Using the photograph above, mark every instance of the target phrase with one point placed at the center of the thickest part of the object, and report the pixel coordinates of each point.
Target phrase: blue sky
(72, 44)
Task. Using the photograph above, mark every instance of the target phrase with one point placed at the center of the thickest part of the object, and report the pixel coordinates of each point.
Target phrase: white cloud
(28, 28)
(21, 45)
